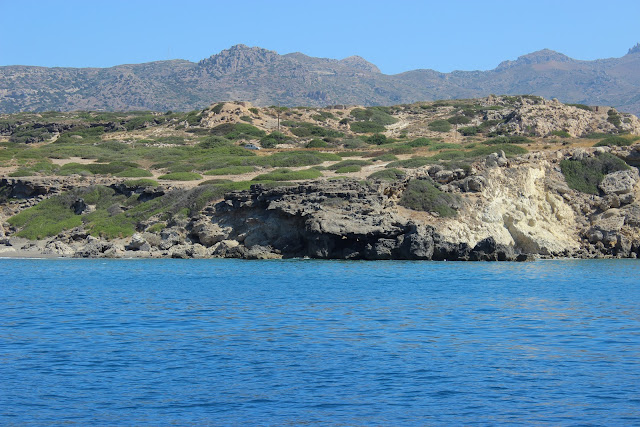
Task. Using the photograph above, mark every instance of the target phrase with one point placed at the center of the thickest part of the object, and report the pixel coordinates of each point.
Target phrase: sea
(308, 342)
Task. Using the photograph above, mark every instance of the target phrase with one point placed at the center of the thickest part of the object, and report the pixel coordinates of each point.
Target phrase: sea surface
(300, 342)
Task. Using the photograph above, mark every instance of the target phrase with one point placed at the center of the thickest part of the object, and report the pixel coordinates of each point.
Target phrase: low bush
(349, 169)
(141, 183)
(440, 126)
(390, 174)
(289, 175)
(469, 130)
(317, 143)
(377, 139)
(231, 170)
(304, 130)
(459, 120)
(245, 131)
(507, 139)
(585, 175)
(181, 176)
(378, 115)
(350, 162)
(614, 140)
(420, 142)
(273, 139)
(134, 173)
(422, 195)
(366, 127)
(413, 163)
(561, 133)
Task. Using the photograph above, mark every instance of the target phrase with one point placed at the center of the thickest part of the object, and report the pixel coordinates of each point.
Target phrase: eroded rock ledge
(507, 209)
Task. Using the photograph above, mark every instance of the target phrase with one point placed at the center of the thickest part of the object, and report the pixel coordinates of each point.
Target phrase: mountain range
(264, 77)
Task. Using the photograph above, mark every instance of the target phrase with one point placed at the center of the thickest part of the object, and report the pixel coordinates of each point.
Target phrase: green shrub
(366, 127)
(507, 139)
(614, 140)
(402, 149)
(231, 170)
(614, 118)
(223, 129)
(245, 131)
(377, 115)
(390, 174)
(304, 130)
(412, 163)
(349, 169)
(289, 175)
(509, 150)
(254, 111)
(580, 106)
(420, 142)
(273, 139)
(181, 176)
(387, 157)
(214, 142)
(351, 162)
(459, 120)
(217, 108)
(139, 122)
(422, 195)
(157, 227)
(450, 155)
(141, 183)
(440, 126)
(46, 219)
(469, 131)
(322, 116)
(443, 146)
(561, 133)
(134, 173)
(290, 159)
(317, 143)
(585, 175)
(376, 139)
(352, 143)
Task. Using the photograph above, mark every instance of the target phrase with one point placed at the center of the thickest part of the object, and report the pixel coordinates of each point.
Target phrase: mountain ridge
(265, 77)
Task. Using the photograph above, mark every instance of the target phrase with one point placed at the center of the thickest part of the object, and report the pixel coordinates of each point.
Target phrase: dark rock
(79, 207)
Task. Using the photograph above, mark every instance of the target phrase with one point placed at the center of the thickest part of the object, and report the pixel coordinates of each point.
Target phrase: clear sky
(396, 35)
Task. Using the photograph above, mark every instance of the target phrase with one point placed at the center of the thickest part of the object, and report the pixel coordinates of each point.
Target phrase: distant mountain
(265, 78)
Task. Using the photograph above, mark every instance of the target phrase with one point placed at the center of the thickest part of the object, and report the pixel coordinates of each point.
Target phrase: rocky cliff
(505, 209)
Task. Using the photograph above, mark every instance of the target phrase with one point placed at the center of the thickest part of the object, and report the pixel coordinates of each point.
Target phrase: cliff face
(506, 209)
(516, 207)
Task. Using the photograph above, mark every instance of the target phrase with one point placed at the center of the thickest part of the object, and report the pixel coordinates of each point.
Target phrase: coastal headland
(496, 178)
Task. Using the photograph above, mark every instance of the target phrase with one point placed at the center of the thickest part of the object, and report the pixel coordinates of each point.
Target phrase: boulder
(620, 182)
(138, 243)
(208, 233)
(58, 248)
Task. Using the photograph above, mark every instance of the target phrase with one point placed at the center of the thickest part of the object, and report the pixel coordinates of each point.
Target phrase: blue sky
(395, 35)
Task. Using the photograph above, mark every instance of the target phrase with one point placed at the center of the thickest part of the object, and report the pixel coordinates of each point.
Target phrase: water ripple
(226, 342)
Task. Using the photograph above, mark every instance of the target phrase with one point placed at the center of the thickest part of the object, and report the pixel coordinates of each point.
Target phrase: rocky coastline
(512, 209)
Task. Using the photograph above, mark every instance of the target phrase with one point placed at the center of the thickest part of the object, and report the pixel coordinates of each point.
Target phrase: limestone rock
(138, 243)
(620, 182)
(58, 248)
(208, 233)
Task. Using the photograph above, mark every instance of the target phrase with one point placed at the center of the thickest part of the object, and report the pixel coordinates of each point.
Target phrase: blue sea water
(228, 342)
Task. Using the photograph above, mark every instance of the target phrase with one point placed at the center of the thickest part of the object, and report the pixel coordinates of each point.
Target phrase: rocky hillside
(496, 178)
(264, 77)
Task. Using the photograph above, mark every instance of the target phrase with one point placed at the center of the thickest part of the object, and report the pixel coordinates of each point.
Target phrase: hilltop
(263, 77)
